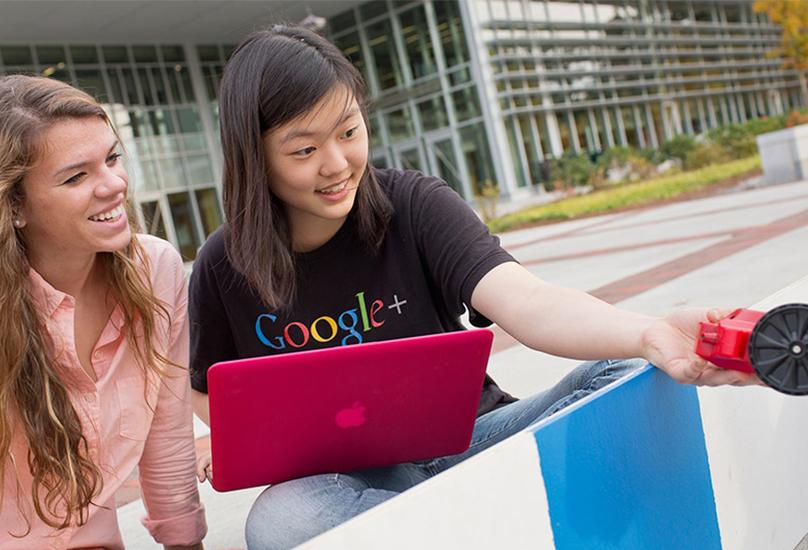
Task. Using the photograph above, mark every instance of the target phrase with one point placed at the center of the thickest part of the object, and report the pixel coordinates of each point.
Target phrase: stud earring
(17, 223)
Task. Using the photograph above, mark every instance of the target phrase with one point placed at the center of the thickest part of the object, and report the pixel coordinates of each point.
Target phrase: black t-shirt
(435, 252)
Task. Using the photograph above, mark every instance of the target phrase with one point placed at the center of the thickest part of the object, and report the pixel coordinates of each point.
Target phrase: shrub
(660, 188)
(766, 124)
(571, 171)
(611, 166)
(621, 164)
(737, 140)
(654, 156)
(625, 164)
(679, 147)
(640, 167)
(705, 155)
(616, 156)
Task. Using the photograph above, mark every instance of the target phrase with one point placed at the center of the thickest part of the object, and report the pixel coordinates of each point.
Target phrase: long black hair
(273, 77)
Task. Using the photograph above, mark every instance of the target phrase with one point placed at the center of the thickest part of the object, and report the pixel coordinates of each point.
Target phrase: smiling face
(73, 205)
(316, 162)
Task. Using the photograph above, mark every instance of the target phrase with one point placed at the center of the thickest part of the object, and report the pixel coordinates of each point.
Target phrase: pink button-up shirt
(123, 432)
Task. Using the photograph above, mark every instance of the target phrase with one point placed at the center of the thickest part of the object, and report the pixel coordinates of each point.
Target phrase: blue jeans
(292, 512)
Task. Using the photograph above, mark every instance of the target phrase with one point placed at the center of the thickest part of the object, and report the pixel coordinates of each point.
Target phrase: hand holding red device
(772, 344)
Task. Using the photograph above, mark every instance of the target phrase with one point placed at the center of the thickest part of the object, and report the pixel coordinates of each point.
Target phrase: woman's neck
(70, 277)
(311, 232)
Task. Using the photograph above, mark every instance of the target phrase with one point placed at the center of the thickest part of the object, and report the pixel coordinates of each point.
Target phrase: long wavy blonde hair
(34, 396)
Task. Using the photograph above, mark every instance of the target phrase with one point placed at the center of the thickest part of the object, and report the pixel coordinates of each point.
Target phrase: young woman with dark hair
(94, 336)
(313, 231)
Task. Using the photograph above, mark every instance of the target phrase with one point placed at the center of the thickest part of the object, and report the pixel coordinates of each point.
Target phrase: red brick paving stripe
(661, 274)
(787, 200)
(624, 248)
(589, 229)
(571, 232)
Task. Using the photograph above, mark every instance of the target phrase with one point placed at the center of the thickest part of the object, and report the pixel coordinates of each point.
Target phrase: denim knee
(590, 377)
(284, 516)
(290, 513)
(594, 375)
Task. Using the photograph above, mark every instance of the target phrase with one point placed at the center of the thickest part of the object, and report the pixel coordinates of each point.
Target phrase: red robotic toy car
(772, 344)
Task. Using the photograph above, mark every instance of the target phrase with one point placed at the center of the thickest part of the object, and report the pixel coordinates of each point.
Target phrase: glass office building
(486, 90)
(479, 92)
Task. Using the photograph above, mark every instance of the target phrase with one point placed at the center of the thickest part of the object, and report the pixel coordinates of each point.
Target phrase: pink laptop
(341, 409)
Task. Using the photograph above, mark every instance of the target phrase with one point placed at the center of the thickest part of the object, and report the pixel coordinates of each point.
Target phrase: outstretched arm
(571, 323)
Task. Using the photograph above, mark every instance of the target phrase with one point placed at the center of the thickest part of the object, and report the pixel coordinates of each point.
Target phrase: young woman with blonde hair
(94, 336)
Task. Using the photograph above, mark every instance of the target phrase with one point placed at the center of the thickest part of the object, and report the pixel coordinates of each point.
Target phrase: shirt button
(97, 354)
(90, 397)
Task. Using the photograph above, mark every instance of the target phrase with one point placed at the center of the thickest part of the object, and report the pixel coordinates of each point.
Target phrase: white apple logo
(352, 416)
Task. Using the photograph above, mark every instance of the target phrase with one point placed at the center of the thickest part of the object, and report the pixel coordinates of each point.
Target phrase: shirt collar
(46, 298)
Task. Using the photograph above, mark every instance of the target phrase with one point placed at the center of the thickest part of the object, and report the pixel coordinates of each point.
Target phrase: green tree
(792, 16)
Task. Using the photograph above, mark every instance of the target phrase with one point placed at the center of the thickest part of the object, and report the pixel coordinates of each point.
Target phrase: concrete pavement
(730, 250)
(726, 251)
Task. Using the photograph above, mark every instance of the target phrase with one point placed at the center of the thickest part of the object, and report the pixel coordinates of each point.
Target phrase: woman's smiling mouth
(110, 215)
(334, 189)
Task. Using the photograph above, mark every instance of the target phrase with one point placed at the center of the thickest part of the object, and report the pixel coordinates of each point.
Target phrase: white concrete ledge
(739, 452)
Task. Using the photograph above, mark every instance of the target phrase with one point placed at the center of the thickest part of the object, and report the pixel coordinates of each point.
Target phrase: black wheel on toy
(778, 348)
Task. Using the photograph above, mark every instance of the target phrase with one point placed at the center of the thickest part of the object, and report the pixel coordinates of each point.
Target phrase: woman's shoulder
(213, 252)
(406, 184)
(166, 270)
(158, 251)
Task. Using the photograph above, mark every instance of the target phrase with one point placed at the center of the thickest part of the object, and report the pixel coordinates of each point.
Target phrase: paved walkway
(729, 250)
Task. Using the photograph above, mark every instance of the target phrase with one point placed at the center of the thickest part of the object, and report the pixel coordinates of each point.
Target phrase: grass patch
(632, 194)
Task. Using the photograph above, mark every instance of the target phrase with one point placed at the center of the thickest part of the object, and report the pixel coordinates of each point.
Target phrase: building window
(466, 103)
(399, 124)
(209, 210)
(352, 49)
(446, 164)
(450, 30)
(433, 113)
(153, 216)
(477, 156)
(185, 226)
(415, 32)
(385, 56)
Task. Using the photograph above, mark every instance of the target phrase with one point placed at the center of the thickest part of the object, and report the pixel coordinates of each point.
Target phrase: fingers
(204, 473)
(204, 469)
(716, 376)
(716, 314)
(755, 381)
(703, 373)
(686, 371)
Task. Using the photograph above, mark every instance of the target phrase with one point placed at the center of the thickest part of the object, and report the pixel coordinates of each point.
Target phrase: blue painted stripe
(629, 470)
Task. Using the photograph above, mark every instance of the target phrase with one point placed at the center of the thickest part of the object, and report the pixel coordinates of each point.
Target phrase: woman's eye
(304, 152)
(351, 132)
(74, 179)
(113, 158)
